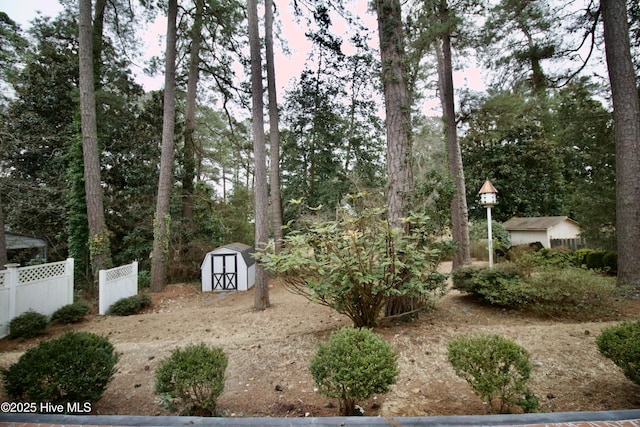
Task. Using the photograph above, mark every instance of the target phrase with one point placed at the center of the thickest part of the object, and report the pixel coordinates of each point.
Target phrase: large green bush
(71, 313)
(556, 291)
(76, 367)
(129, 305)
(501, 238)
(496, 368)
(192, 378)
(354, 364)
(359, 263)
(28, 325)
(621, 344)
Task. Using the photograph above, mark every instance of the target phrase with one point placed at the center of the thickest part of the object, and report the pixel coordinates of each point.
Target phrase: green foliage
(192, 377)
(621, 344)
(130, 305)
(501, 237)
(28, 325)
(357, 263)
(144, 279)
(595, 260)
(553, 290)
(76, 367)
(71, 313)
(496, 368)
(354, 364)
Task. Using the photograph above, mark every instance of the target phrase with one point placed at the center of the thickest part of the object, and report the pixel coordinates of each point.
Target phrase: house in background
(541, 229)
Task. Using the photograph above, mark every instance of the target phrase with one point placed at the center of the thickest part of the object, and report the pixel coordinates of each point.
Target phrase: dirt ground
(269, 354)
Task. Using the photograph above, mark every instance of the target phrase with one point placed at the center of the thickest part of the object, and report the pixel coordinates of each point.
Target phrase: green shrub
(359, 264)
(557, 291)
(354, 364)
(572, 292)
(610, 261)
(580, 257)
(76, 367)
(130, 305)
(71, 313)
(496, 368)
(144, 279)
(465, 278)
(621, 344)
(28, 325)
(192, 378)
(478, 232)
(595, 260)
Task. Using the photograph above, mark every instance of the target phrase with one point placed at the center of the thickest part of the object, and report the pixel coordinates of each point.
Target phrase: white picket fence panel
(42, 288)
(117, 283)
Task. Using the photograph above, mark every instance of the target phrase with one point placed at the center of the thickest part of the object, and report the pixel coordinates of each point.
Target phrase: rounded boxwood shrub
(354, 364)
(130, 305)
(496, 368)
(76, 367)
(71, 313)
(621, 344)
(192, 378)
(28, 325)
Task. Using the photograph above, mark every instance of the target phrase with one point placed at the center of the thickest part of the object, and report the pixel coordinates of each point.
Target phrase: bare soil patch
(269, 354)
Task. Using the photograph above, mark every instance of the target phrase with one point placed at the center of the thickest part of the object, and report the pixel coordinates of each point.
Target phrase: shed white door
(225, 271)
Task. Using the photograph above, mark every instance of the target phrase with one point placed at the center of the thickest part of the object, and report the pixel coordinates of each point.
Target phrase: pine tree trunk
(274, 131)
(162, 222)
(398, 121)
(459, 212)
(99, 245)
(397, 107)
(261, 300)
(189, 156)
(626, 116)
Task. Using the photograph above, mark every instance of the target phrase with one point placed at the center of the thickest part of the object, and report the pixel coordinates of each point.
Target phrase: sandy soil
(269, 354)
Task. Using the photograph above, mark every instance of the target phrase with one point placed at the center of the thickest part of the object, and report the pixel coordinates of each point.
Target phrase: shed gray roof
(19, 241)
(540, 223)
(245, 250)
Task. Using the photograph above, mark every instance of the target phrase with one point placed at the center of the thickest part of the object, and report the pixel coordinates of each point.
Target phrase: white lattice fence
(117, 283)
(42, 288)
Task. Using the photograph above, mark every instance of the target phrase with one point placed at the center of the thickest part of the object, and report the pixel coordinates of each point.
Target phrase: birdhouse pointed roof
(487, 187)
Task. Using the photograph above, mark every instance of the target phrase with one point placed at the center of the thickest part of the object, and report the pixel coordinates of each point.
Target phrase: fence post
(135, 275)
(70, 273)
(102, 289)
(12, 285)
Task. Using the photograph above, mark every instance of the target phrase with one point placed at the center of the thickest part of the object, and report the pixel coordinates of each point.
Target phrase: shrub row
(129, 305)
(558, 257)
(31, 324)
(353, 364)
(557, 291)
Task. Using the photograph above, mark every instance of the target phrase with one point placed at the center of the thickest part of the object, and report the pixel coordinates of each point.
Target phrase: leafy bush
(130, 305)
(610, 261)
(28, 325)
(71, 313)
(496, 368)
(557, 291)
(621, 344)
(192, 377)
(354, 364)
(76, 367)
(144, 279)
(357, 264)
(500, 236)
(595, 260)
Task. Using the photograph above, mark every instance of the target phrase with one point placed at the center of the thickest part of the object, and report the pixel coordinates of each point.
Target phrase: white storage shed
(229, 267)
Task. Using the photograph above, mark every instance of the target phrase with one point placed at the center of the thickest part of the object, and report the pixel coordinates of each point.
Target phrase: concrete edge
(445, 421)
